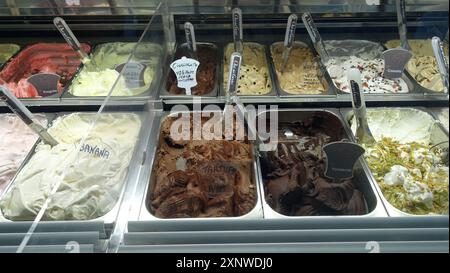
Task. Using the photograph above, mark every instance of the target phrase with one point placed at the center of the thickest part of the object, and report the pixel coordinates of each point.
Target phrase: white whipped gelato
(91, 177)
(415, 191)
(402, 124)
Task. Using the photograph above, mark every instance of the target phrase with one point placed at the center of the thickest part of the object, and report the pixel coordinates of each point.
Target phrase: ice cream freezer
(119, 181)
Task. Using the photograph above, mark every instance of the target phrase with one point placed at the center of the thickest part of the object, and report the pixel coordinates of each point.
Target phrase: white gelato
(404, 125)
(91, 177)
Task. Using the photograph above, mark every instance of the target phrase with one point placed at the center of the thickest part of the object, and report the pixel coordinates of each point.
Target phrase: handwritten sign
(395, 61)
(133, 74)
(186, 71)
(46, 84)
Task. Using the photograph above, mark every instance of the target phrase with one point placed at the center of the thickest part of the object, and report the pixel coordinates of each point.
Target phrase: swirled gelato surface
(301, 75)
(91, 174)
(201, 178)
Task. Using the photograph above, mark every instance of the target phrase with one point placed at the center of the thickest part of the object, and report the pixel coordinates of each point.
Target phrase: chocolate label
(186, 71)
(395, 61)
(133, 74)
(290, 30)
(341, 158)
(46, 84)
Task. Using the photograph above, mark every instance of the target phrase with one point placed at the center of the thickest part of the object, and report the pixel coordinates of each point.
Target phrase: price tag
(395, 61)
(186, 71)
(133, 74)
(341, 158)
(46, 84)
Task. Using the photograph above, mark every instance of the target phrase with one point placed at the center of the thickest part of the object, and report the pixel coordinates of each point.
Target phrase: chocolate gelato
(201, 178)
(295, 184)
(206, 72)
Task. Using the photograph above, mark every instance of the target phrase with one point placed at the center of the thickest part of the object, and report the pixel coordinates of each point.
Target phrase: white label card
(133, 74)
(186, 71)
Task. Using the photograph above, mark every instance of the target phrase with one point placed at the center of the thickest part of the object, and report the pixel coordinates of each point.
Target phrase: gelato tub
(92, 178)
(255, 78)
(201, 179)
(97, 78)
(423, 66)
(293, 178)
(55, 58)
(407, 160)
(207, 73)
(302, 75)
(366, 56)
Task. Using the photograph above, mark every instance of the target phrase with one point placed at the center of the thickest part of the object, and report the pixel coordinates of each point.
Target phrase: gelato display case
(224, 126)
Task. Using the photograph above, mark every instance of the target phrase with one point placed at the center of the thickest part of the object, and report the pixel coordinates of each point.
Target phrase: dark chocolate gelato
(206, 72)
(295, 184)
(201, 178)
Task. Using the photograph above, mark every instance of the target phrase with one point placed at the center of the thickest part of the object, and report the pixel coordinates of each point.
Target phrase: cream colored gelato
(99, 84)
(301, 75)
(254, 78)
(16, 141)
(423, 65)
(98, 77)
(91, 176)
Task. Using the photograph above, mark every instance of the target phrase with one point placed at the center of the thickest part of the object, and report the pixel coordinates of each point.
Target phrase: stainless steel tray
(166, 95)
(417, 85)
(362, 182)
(438, 136)
(153, 86)
(273, 92)
(109, 218)
(329, 91)
(146, 215)
(414, 90)
(53, 99)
